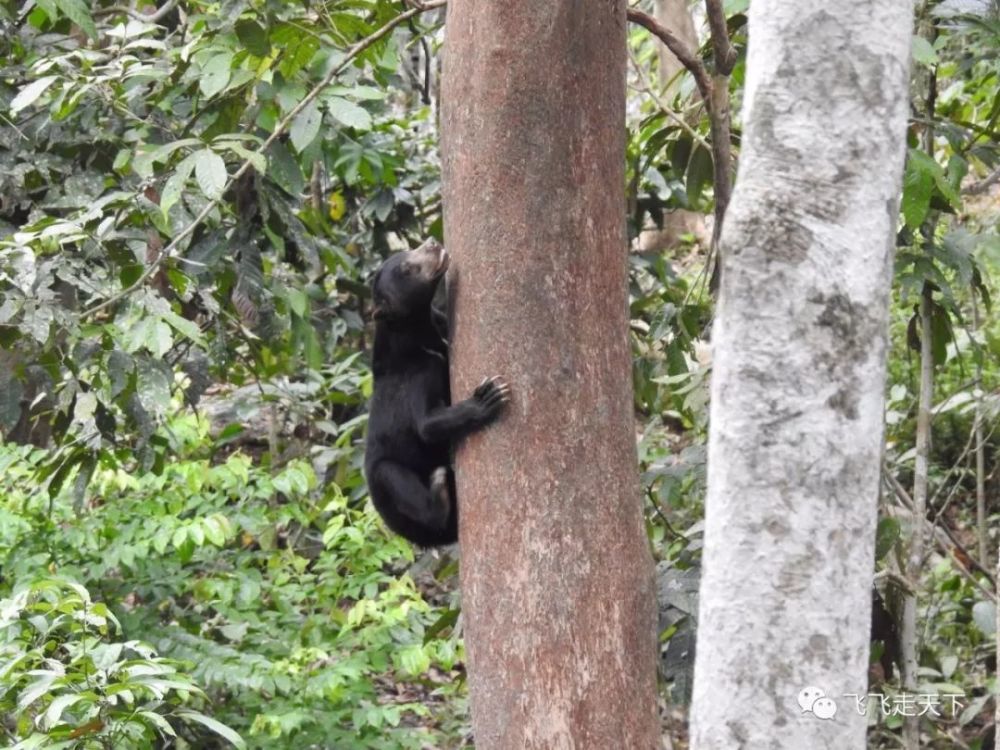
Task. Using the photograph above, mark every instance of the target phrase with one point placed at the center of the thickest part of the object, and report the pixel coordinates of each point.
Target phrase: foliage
(134, 253)
(281, 600)
(68, 679)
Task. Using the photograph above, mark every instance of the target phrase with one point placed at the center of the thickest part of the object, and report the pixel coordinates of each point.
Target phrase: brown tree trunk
(556, 575)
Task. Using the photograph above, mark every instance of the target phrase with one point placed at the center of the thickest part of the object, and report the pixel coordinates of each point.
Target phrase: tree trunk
(800, 342)
(676, 16)
(982, 530)
(909, 638)
(557, 587)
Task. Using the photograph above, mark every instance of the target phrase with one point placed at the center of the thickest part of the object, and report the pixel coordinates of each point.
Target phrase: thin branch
(978, 188)
(721, 123)
(687, 57)
(977, 429)
(646, 86)
(953, 545)
(279, 130)
(722, 48)
(714, 92)
(154, 17)
(898, 580)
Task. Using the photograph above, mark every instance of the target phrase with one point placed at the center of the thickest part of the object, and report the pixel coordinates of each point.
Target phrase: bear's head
(406, 282)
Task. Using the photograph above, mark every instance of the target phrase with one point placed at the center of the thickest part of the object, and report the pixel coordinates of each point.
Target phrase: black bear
(412, 424)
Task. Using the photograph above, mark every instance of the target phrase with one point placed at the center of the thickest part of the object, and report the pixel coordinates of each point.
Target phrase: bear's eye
(406, 268)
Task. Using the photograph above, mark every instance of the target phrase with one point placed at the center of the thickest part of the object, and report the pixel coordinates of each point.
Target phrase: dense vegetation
(192, 200)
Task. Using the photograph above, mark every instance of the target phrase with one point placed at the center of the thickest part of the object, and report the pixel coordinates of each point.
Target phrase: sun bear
(412, 424)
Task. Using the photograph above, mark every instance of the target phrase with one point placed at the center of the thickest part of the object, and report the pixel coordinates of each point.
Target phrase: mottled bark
(799, 367)
(558, 602)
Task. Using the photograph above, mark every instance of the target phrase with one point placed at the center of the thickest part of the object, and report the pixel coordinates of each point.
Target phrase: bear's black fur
(412, 424)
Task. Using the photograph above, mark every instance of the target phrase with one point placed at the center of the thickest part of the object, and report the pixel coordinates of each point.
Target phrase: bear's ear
(379, 312)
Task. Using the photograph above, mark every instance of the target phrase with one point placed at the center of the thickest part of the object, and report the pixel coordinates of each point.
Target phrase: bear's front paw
(492, 395)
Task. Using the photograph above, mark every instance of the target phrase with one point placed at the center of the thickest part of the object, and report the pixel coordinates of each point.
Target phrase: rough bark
(799, 343)
(556, 575)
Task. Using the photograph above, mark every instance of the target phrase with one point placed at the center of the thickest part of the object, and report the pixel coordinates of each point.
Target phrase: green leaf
(135, 335)
(54, 712)
(160, 541)
(886, 536)
(214, 531)
(187, 328)
(153, 381)
(256, 158)
(158, 721)
(147, 155)
(179, 537)
(699, 173)
(30, 93)
(284, 168)
(86, 405)
(292, 481)
(160, 340)
(349, 113)
(215, 75)
(235, 631)
(297, 54)
(175, 185)
(924, 163)
(414, 659)
(918, 184)
(298, 301)
(50, 9)
(923, 51)
(216, 726)
(253, 36)
(37, 689)
(196, 534)
(305, 127)
(984, 614)
(78, 12)
(210, 171)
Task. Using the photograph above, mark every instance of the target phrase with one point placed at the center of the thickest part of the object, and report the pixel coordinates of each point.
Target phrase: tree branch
(647, 87)
(722, 49)
(978, 188)
(953, 548)
(687, 57)
(154, 17)
(279, 130)
(714, 92)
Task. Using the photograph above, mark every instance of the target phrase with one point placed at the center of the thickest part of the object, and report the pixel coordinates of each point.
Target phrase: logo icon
(812, 700)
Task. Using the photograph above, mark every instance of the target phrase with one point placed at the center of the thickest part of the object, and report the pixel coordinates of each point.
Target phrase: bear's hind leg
(424, 515)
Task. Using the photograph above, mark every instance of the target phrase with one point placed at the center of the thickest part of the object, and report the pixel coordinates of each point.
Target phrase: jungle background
(193, 198)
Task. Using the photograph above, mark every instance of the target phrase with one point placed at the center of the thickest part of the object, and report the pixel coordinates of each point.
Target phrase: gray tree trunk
(799, 369)
(557, 593)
